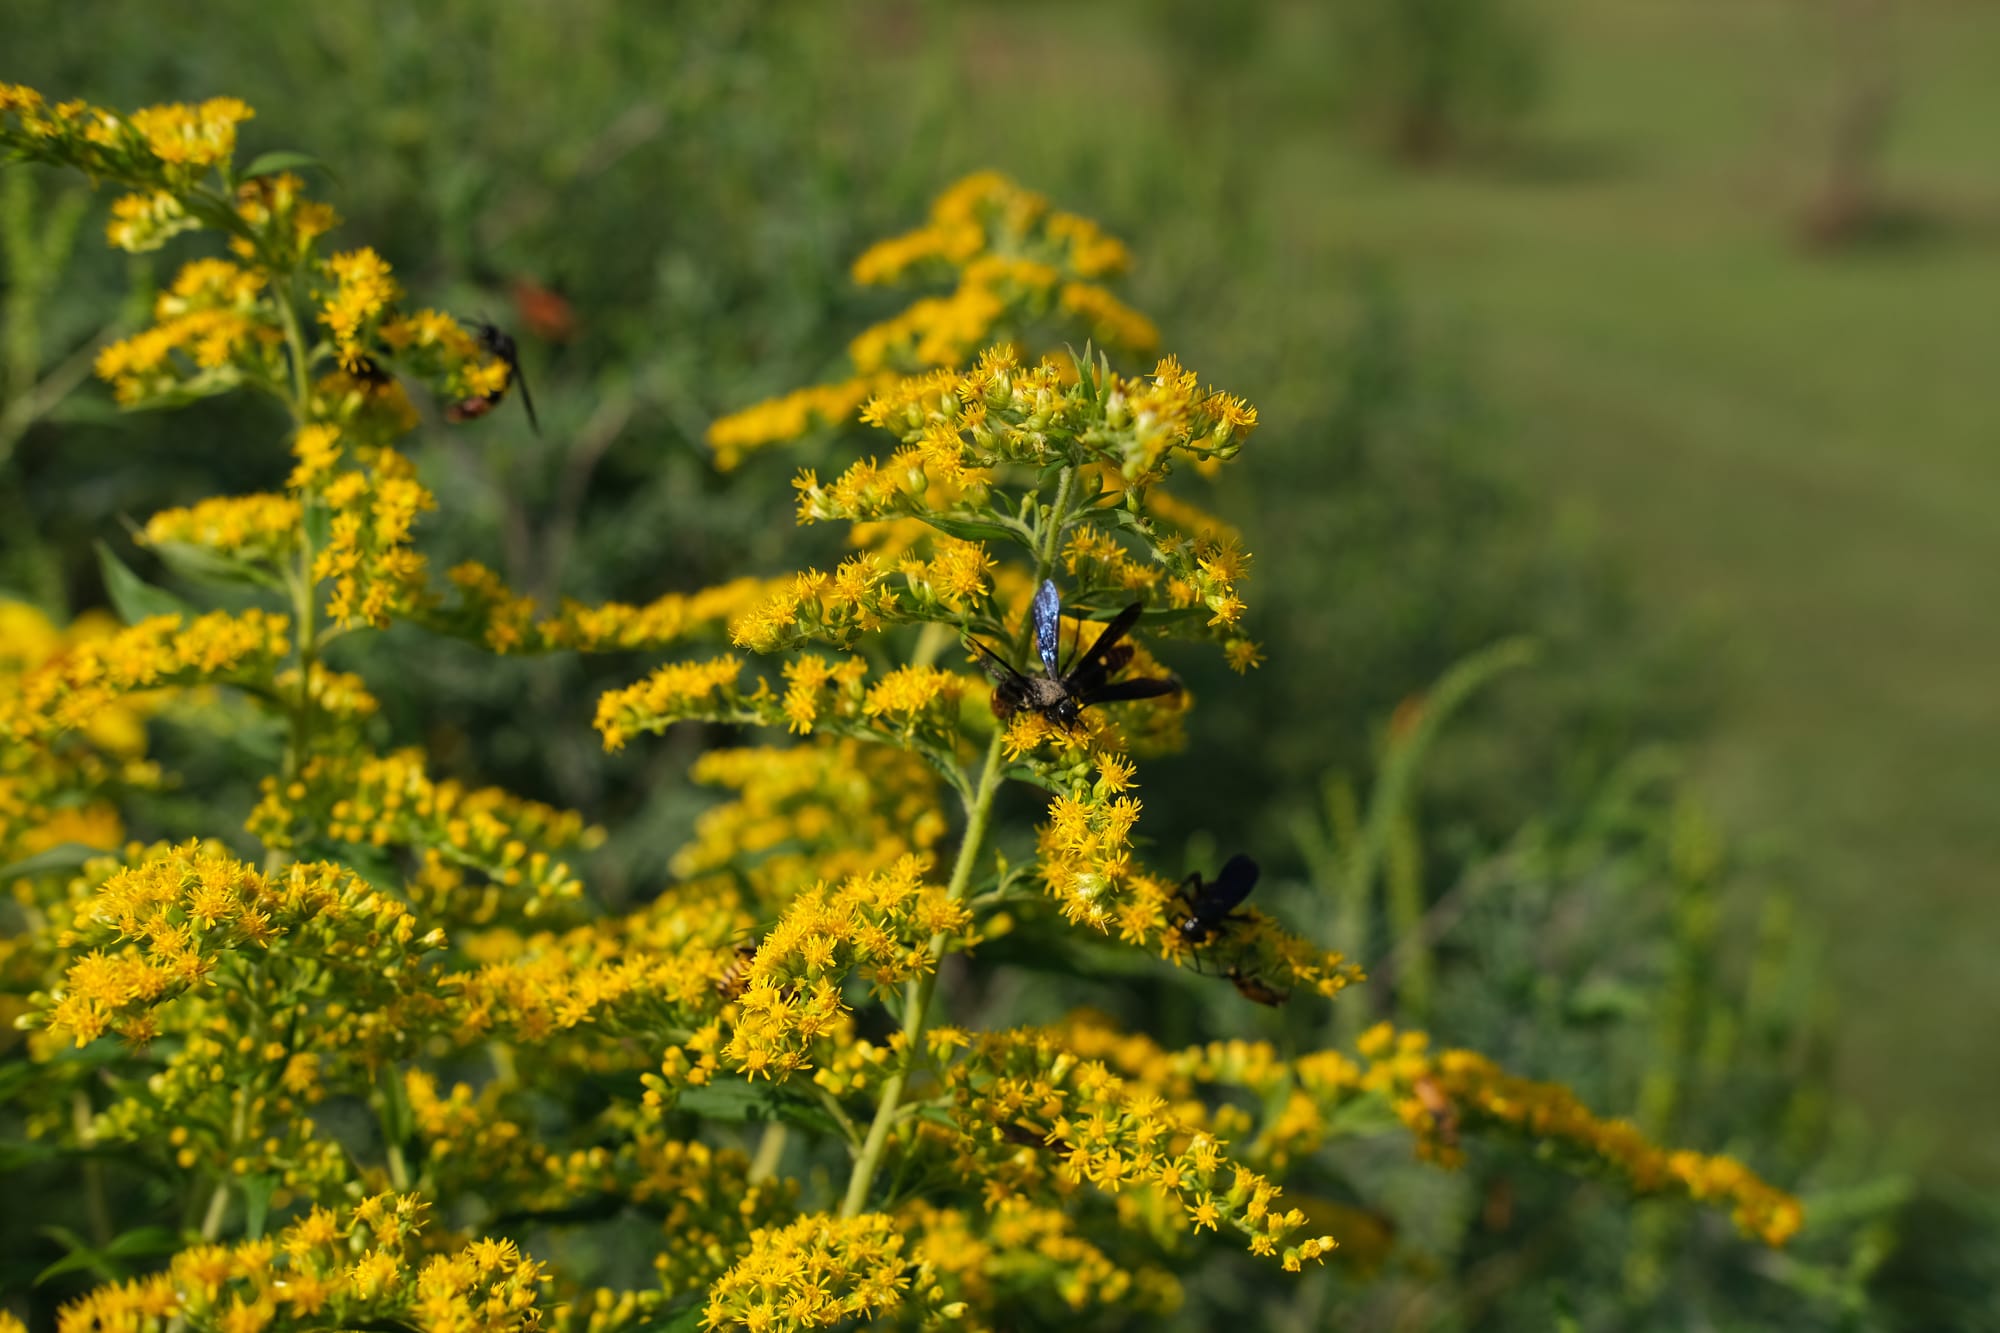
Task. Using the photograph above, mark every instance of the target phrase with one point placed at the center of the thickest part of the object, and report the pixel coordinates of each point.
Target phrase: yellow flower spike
(66, 694)
(257, 529)
(815, 1273)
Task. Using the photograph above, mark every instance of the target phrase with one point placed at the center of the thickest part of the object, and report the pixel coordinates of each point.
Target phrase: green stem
(917, 996)
(979, 815)
(96, 1205)
(770, 1151)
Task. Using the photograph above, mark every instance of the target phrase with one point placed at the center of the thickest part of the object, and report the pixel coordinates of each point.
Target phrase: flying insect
(1061, 693)
(496, 342)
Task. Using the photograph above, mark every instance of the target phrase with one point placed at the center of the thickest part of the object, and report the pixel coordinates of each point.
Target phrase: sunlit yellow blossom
(66, 693)
(195, 136)
(878, 925)
(681, 689)
(256, 529)
(819, 1272)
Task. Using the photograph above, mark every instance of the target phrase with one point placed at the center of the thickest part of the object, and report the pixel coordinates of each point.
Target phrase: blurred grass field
(1799, 449)
(1794, 449)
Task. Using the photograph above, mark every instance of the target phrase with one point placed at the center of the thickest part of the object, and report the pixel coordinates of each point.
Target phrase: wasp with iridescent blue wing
(1061, 693)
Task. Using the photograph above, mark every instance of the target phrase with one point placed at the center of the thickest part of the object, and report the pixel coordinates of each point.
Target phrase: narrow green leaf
(975, 530)
(754, 1104)
(80, 1256)
(144, 1241)
(271, 163)
(257, 1191)
(63, 856)
(207, 566)
(131, 596)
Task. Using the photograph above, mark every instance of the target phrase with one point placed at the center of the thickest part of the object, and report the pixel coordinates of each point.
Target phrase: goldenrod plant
(380, 1059)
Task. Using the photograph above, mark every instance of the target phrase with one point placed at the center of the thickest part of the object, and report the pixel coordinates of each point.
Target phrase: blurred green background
(1659, 330)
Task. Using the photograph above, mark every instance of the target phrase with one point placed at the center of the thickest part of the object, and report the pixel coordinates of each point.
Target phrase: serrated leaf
(63, 856)
(283, 159)
(131, 596)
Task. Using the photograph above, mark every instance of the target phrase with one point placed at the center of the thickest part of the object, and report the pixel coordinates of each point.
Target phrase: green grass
(1796, 449)
(1799, 449)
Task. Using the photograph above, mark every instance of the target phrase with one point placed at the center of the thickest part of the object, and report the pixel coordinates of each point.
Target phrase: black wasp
(1061, 693)
(496, 342)
(1211, 906)
(1211, 902)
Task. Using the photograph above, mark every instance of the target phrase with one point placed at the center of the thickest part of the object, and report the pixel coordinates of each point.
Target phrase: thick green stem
(770, 1151)
(917, 996)
(979, 814)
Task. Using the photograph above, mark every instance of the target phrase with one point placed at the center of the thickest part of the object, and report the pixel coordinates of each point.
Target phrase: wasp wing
(1233, 885)
(995, 666)
(1048, 627)
(1121, 624)
(1124, 691)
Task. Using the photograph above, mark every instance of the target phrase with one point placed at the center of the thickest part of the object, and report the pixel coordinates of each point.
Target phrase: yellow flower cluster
(363, 292)
(193, 136)
(287, 222)
(1086, 865)
(213, 328)
(368, 410)
(438, 349)
(170, 144)
(1437, 1094)
(958, 230)
(1006, 1259)
(257, 530)
(177, 917)
(490, 611)
(1028, 1087)
(146, 220)
(1015, 262)
(66, 693)
(376, 1264)
(350, 796)
(702, 1198)
(878, 925)
(1003, 410)
(857, 598)
(789, 416)
(818, 1272)
(675, 693)
(31, 643)
(835, 608)
(369, 558)
(828, 809)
